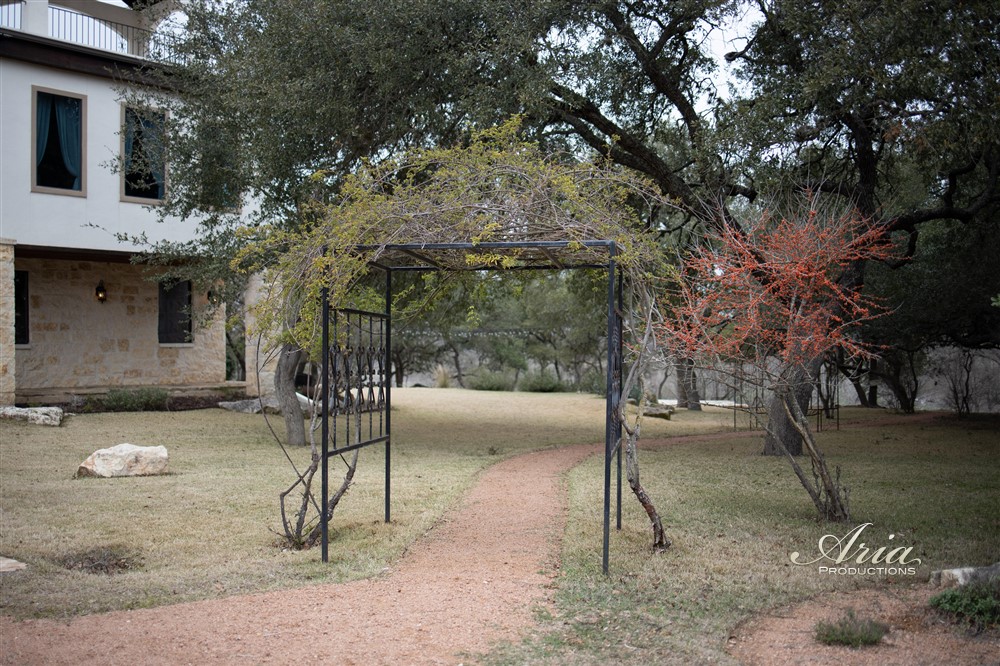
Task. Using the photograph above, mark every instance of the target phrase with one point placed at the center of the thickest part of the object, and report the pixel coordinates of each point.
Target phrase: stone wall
(77, 342)
(7, 385)
(261, 359)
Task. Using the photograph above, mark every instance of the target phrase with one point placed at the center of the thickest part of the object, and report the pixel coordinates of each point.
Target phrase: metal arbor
(355, 366)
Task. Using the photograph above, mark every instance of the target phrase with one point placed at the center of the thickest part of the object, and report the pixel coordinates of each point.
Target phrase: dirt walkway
(471, 581)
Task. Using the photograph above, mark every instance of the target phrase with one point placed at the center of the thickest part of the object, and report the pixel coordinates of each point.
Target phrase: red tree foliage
(774, 296)
(774, 291)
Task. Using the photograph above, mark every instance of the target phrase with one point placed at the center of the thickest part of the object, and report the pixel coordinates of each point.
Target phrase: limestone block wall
(7, 385)
(78, 342)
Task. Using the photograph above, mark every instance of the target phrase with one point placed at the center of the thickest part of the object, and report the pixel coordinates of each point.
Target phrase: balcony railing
(10, 15)
(77, 28)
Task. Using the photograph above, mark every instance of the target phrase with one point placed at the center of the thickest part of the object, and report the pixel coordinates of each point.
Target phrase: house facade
(76, 315)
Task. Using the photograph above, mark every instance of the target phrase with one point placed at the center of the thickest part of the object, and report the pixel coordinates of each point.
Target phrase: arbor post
(325, 423)
(388, 385)
(612, 428)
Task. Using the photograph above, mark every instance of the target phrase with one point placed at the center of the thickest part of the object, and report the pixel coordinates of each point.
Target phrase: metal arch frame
(528, 255)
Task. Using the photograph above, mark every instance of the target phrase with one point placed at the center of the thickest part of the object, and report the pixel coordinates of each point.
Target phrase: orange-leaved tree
(773, 297)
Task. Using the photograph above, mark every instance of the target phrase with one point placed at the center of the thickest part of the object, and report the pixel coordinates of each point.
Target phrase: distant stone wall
(7, 385)
(78, 342)
(261, 361)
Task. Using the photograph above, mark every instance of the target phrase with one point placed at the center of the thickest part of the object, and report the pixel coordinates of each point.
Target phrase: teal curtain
(43, 116)
(69, 123)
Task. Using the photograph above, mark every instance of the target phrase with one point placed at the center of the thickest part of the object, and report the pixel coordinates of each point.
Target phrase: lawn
(207, 528)
(734, 516)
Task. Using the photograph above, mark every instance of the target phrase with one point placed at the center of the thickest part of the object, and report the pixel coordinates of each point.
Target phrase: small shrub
(135, 400)
(593, 381)
(441, 377)
(541, 382)
(977, 603)
(851, 631)
(492, 381)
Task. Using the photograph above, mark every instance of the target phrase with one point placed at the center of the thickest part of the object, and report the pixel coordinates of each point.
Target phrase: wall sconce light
(101, 292)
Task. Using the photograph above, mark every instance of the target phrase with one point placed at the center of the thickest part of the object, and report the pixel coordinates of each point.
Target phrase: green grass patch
(977, 603)
(851, 631)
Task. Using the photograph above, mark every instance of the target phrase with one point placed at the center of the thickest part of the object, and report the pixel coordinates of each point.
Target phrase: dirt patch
(109, 560)
(473, 580)
(917, 634)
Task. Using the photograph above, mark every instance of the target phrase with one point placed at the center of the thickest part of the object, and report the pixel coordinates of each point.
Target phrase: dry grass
(205, 529)
(734, 515)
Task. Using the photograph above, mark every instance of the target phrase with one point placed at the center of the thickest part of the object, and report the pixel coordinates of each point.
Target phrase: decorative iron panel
(359, 365)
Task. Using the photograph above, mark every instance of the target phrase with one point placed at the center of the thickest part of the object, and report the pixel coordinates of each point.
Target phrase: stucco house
(76, 316)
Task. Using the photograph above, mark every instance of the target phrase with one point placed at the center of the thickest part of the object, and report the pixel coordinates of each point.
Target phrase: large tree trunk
(899, 372)
(859, 389)
(456, 358)
(284, 390)
(873, 373)
(829, 497)
(782, 435)
(396, 367)
(687, 386)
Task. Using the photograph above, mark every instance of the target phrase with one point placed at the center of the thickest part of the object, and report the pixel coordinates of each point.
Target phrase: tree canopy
(889, 108)
(889, 105)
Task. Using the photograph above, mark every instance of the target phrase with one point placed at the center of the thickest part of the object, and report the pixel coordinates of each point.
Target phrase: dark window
(175, 312)
(58, 141)
(21, 308)
(143, 157)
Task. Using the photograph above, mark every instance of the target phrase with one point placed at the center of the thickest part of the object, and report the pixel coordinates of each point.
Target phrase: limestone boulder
(964, 575)
(9, 564)
(125, 460)
(48, 416)
(659, 412)
(269, 405)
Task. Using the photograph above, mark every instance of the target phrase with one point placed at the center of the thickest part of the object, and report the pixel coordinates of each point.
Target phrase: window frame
(126, 198)
(48, 189)
(186, 309)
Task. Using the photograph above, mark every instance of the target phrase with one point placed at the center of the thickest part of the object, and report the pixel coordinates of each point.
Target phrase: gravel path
(471, 581)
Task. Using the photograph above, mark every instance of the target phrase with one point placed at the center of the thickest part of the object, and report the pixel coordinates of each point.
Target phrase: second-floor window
(143, 163)
(59, 147)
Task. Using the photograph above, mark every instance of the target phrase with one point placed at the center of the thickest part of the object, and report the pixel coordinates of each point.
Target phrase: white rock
(50, 416)
(961, 576)
(268, 405)
(125, 460)
(8, 564)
